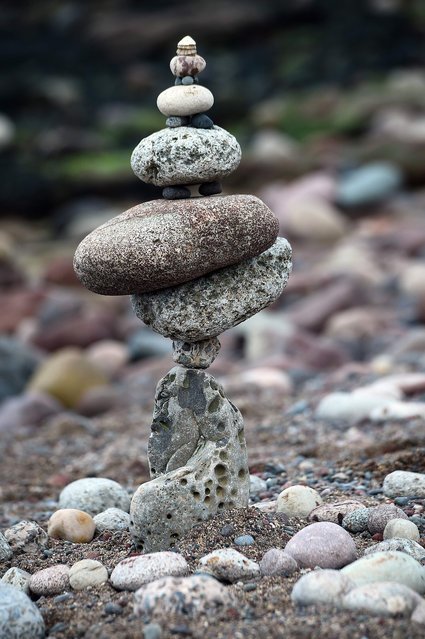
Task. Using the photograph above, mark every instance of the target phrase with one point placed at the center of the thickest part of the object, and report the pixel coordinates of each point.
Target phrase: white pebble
(17, 578)
(50, 581)
(228, 564)
(351, 407)
(401, 528)
(387, 566)
(93, 495)
(298, 501)
(86, 573)
(133, 572)
(385, 598)
(321, 587)
(403, 483)
(185, 100)
(112, 519)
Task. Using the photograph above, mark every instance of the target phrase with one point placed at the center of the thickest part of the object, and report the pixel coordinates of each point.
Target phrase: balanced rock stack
(195, 266)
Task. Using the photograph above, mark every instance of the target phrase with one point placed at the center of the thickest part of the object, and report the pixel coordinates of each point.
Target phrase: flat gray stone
(211, 304)
(197, 457)
(186, 155)
(409, 546)
(19, 616)
(164, 243)
(134, 572)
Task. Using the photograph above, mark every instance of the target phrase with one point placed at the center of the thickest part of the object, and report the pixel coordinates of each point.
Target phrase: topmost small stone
(186, 46)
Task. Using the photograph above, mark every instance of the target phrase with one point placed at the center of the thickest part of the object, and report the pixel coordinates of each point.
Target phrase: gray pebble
(356, 521)
(94, 495)
(210, 188)
(112, 519)
(152, 630)
(5, 549)
(244, 540)
(19, 616)
(18, 578)
(174, 121)
(187, 80)
(26, 536)
(175, 193)
(202, 121)
(112, 608)
(379, 516)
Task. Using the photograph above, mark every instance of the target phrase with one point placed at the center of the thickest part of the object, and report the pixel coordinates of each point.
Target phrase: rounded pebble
(244, 540)
(356, 521)
(334, 512)
(175, 193)
(185, 100)
(385, 598)
(403, 483)
(210, 188)
(93, 495)
(401, 528)
(187, 80)
(19, 616)
(86, 573)
(26, 536)
(256, 485)
(321, 587)
(276, 562)
(50, 581)
(379, 516)
(187, 65)
(387, 566)
(17, 578)
(189, 596)
(133, 572)
(322, 544)
(112, 519)
(298, 501)
(408, 546)
(202, 121)
(175, 121)
(72, 525)
(228, 564)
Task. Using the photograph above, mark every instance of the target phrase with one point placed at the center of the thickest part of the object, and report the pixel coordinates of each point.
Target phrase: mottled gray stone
(379, 516)
(136, 571)
(19, 616)
(227, 564)
(186, 155)
(94, 495)
(18, 578)
(197, 457)
(167, 242)
(409, 546)
(387, 599)
(190, 597)
(26, 536)
(321, 587)
(196, 354)
(112, 519)
(402, 483)
(5, 549)
(356, 521)
(211, 304)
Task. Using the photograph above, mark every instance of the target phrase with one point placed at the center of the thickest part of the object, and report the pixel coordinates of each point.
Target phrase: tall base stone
(197, 458)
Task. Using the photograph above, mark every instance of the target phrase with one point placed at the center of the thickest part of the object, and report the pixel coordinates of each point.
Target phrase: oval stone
(164, 243)
(390, 565)
(185, 100)
(186, 155)
(182, 65)
(323, 544)
(209, 305)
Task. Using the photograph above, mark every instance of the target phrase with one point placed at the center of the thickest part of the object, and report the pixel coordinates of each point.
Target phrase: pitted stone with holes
(197, 457)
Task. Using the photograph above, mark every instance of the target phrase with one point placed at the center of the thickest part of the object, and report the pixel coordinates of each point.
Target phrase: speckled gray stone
(409, 546)
(112, 519)
(190, 597)
(402, 483)
(50, 581)
(356, 521)
(93, 495)
(211, 304)
(167, 242)
(186, 155)
(227, 564)
(19, 616)
(26, 536)
(197, 457)
(196, 354)
(5, 549)
(134, 572)
(18, 578)
(321, 587)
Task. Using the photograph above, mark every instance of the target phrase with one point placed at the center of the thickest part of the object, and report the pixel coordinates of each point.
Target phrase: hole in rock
(223, 455)
(242, 473)
(169, 515)
(220, 470)
(207, 491)
(220, 491)
(220, 505)
(196, 495)
(207, 500)
(221, 427)
(183, 482)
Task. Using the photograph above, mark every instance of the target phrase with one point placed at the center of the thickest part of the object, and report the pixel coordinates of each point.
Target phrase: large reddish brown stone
(163, 243)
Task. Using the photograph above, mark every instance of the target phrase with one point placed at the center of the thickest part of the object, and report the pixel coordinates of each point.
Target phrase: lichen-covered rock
(163, 243)
(211, 304)
(186, 155)
(196, 354)
(197, 457)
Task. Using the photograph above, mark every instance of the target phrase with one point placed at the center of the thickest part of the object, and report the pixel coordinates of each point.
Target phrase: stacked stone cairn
(195, 267)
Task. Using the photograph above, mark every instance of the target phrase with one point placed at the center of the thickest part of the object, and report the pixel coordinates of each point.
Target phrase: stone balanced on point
(195, 267)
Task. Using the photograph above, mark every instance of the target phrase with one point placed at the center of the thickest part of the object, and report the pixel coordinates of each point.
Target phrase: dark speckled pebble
(175, 193)
(174, 121)
(227, 530)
